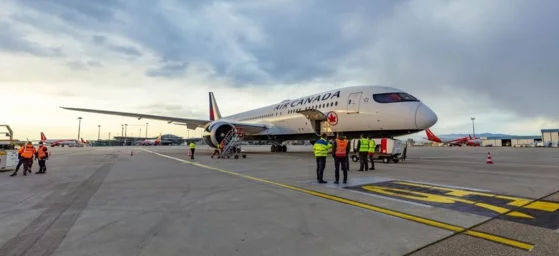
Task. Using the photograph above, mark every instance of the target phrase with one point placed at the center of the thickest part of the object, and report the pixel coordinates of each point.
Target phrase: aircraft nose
(424, 117)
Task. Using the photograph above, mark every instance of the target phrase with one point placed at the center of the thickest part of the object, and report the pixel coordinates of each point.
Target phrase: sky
(494, 60)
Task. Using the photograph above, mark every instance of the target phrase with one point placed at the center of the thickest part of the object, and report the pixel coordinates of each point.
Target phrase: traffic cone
(489, 160)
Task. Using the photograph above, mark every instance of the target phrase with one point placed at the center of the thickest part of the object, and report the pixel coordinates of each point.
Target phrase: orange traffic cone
(489, 160)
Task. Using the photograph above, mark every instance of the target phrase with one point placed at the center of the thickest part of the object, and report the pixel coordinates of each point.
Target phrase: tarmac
(440, 201)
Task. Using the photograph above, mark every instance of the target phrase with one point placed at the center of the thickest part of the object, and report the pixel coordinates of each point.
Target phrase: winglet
(214, 109)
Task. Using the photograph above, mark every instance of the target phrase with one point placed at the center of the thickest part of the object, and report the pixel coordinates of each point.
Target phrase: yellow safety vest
(192, 145)
(364, 146)
(372, 146)
(321, 147)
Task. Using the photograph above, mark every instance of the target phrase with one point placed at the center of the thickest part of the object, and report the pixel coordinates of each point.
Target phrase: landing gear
(278, 148)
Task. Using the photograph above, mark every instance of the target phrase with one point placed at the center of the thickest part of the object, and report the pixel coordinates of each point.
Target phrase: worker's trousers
(343, 162)
(320, 166)
(363, 161)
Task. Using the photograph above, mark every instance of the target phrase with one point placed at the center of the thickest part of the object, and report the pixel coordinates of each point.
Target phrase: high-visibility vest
(321, 147)
(341, 147)
(364, 146)
(372, 146)
(42, 152)
(28, 151)
(192, 145)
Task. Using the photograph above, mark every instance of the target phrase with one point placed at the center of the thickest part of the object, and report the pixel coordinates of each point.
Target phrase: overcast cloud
(495, 60)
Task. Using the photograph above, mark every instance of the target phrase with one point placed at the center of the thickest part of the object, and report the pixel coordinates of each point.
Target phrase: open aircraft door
(318, 121)
(353, 103)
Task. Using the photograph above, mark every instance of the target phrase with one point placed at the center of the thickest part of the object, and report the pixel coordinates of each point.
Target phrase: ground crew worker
(320, 148)
(340, 151)
(20, 160)
(372, 146)
(363, 147)
(42, 155)
(192, 148)
(27, 157)
(218, 150)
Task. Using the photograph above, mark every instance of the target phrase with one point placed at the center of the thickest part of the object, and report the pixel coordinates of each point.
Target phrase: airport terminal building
(549, 138)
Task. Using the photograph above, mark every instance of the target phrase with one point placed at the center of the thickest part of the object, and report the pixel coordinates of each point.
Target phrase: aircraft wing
(189, 122)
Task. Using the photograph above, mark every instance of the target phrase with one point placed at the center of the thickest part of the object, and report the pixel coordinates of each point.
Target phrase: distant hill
(477, 135)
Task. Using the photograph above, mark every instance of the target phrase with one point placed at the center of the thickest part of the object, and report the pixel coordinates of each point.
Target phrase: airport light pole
(109, 138)
(146, 130)
(79, 126)
(122, 130)
(125, 129)
(99, 132)
(473, 126)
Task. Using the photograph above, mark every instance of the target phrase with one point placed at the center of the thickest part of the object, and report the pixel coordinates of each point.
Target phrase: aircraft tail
(43, 137)
(431, 136)
(214, 109)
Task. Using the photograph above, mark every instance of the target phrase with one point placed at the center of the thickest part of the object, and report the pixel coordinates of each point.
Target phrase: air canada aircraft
(371, 110)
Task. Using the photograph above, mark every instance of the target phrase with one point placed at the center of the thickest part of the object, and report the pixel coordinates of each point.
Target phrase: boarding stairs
(232, 141)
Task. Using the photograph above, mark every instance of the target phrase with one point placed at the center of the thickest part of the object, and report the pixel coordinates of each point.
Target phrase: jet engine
(215, 132)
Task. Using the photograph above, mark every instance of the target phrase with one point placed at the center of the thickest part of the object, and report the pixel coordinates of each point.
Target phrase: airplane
(377, 111)
(58, 142)
(154, 142)
(467, 140)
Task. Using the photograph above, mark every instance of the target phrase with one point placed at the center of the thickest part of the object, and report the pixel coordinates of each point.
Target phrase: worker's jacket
(372, 146)
(340, 148)
(28, 151)
(321, 147)
(363, 145)
(192, 145)
(41, 152)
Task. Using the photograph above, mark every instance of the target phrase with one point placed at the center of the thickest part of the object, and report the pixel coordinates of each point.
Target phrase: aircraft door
(353, 103)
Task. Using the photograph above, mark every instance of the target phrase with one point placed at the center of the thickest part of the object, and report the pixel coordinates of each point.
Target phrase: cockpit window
(393, 97)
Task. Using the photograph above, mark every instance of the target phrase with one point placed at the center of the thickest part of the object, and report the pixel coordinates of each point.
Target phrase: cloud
(14, 42)
(494, 60)
(169, 69)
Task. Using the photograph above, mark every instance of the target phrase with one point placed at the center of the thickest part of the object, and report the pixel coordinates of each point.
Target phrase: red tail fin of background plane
(431, 136)
(43, 137)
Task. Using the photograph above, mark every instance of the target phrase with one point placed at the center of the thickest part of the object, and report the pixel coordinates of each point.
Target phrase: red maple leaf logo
(332, 118)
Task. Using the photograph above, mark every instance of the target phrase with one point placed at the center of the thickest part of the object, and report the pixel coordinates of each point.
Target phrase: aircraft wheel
(284, 148)
(244, 156)
(395, 160)
(385, 160)
(236, 156)
(354, 158)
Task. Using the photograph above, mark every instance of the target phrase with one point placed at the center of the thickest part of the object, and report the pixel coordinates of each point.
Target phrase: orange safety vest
(341, 146)
(42, 152)
(28, 152)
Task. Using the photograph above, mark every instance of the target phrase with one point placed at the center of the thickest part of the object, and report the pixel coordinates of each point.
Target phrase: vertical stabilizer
(43, 137)
(214, 109)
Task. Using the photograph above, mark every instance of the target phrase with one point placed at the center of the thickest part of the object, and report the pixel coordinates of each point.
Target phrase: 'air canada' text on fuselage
(318, 98)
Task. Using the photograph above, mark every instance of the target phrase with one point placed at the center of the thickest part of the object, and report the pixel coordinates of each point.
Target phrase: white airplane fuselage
(353, 111)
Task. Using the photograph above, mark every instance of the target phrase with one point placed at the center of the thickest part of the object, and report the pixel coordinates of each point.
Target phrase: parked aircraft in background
(467, 140)
(371, 110)
(59, 142)
(153, 142)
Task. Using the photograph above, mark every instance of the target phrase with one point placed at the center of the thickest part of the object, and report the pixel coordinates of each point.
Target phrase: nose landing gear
(278, 148)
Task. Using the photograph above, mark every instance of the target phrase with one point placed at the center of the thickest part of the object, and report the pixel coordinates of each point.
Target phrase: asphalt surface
(440, 201)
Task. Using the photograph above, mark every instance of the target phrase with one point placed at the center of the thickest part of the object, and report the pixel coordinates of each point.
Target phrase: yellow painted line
(418, 219)
(515, 201)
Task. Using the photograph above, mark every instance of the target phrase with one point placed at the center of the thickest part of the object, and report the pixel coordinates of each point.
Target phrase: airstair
(232, 141)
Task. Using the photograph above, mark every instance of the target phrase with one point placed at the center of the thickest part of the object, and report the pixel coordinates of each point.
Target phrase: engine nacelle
(215, 132)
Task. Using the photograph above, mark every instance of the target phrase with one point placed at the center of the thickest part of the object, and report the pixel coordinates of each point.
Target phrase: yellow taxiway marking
(418, 219)
(515, 201)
